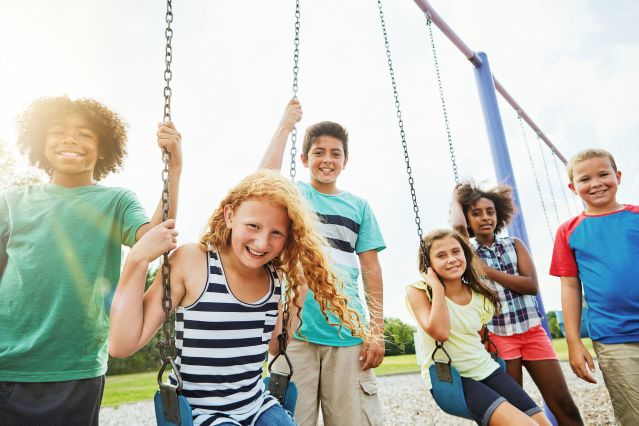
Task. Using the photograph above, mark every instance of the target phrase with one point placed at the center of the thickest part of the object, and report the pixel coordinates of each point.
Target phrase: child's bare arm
(431, 315)
(275, 152)
(372, 353)
(579, 357)
(457, 217)
(525, 282)
(169, 138)
(136, 315)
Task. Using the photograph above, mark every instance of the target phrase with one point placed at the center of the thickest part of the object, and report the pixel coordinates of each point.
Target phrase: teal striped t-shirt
(349, 225)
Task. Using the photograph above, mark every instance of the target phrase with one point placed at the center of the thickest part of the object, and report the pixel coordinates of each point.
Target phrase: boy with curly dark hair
(60, 257)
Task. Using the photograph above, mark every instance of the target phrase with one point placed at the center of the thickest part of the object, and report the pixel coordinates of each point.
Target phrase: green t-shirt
(60, 258)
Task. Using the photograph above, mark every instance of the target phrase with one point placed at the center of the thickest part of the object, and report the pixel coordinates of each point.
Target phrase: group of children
(60, 258)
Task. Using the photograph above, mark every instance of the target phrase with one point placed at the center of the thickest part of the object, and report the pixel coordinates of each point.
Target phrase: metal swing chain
(296, 69)
(532, 166)
(569, 207)
(283, 337)
(451, 150)
(402, 133)
(552, 191)
(166, 344)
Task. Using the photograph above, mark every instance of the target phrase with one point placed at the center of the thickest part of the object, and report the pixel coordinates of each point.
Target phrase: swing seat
(448, 391)
(290, 397)
(186, 415)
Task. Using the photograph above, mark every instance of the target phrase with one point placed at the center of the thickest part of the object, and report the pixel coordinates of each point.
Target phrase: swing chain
(569, 207)
(534, 171)
(402, 133)
(296, 69)
(168, 58)
(166, 344)
(440, 86)
(283, 337)
(552, 192)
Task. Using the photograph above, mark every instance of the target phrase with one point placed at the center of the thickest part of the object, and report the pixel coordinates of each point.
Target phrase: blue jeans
(483, 397)
(274, 416)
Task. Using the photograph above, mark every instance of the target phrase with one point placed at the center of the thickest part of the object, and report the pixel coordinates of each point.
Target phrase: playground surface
(407, 402)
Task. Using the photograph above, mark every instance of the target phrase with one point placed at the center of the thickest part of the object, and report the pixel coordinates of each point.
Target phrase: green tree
(398, 337)
(147, 358)
(553, 325)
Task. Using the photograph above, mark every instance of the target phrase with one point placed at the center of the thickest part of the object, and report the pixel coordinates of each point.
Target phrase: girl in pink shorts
(516, 330)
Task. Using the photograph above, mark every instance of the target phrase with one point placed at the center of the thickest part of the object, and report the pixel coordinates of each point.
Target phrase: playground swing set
(172, 408)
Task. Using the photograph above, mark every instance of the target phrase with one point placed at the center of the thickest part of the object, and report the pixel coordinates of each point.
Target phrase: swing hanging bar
(296, 70)
(476, 61)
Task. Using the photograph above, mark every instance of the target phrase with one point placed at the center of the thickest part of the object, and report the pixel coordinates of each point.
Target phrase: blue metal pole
(503, 166)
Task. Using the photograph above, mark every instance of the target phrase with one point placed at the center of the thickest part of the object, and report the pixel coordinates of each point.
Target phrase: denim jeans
(274, 416)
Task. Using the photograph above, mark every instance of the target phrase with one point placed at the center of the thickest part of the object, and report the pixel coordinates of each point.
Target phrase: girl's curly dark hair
(501, 196)
(34, 122)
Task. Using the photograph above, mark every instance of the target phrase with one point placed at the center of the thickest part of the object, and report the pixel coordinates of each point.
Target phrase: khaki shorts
(619, 363)
(333, 377)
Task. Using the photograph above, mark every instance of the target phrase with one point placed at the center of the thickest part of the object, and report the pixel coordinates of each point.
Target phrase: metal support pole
(474, 59)
(503, 166)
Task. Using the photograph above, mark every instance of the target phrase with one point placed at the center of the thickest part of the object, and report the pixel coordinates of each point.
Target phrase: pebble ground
(407, 402)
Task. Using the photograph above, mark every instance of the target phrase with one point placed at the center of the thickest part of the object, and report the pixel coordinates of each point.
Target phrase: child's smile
(72, 149)
(447, 259)
(325, 161)
(596, 182)
(259, 232)
(482, 218)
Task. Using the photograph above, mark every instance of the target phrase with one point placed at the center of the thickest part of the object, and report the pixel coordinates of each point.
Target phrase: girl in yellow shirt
(453, 311)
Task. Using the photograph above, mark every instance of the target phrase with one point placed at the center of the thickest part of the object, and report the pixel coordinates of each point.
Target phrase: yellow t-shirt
(464, 345)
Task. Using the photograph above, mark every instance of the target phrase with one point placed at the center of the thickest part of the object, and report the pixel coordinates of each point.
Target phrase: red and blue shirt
(603, 251)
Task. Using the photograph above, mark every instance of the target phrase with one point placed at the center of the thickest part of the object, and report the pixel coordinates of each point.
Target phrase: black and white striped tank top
(221, 347)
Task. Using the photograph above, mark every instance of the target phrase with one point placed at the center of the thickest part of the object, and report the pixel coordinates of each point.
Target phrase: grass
(127, 388)
(561, 347)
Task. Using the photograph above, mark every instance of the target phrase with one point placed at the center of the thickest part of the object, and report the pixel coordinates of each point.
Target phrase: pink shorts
(532, 345)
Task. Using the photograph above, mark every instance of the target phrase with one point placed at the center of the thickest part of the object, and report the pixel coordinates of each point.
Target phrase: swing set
(172, 408)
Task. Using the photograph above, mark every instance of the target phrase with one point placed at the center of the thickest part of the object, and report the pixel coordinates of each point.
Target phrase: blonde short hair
(587, 154)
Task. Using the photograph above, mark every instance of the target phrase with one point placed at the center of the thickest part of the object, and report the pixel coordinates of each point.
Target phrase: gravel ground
(407, 402)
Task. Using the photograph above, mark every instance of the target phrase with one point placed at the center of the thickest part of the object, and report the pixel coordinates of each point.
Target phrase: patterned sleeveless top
(221, 348)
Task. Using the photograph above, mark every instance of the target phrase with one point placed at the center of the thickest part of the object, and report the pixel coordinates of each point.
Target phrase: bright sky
(572, 65)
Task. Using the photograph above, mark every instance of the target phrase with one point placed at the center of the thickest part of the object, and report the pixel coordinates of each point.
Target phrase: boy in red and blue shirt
(599, 251)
